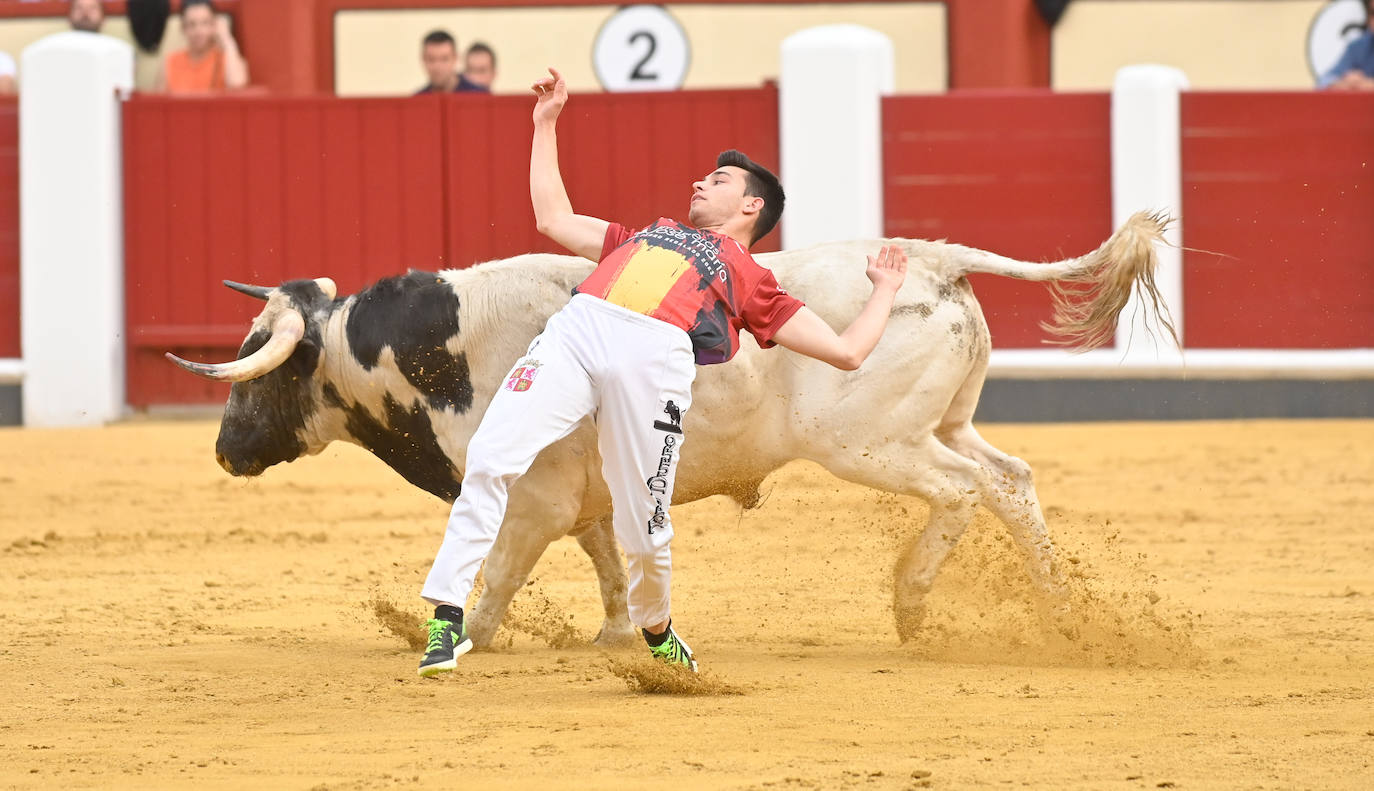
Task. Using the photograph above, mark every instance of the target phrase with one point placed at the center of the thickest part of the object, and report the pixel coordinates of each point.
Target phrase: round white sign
(1336, 25)
(641, 48)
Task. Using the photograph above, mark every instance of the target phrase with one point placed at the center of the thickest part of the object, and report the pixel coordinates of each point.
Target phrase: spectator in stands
(479, 68)
(1355, 70)
(87, 15)
(439, 54)
(211, 62)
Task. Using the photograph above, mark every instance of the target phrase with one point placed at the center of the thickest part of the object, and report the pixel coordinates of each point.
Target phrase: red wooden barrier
(1027, 175)
(265, 190)
(261, 191)
(1282, 184)
(9, 227)
(630, 158)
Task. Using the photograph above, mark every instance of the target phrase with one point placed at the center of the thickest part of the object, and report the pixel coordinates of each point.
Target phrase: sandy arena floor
(167, 626)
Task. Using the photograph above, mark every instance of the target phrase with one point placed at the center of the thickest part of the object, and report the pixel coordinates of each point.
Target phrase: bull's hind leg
(952, 484)
(1011, 495)
(1014, 501)
(597, 539)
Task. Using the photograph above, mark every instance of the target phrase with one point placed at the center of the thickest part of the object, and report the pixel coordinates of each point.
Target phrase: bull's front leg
(543, 507)
(597, 539)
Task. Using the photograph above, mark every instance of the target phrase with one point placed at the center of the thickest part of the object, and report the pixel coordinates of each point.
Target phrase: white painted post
(71, 221)
(1147, 174)
(830, 127)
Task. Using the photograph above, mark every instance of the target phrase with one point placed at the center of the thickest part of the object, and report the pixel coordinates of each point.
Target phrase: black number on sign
(639, 73)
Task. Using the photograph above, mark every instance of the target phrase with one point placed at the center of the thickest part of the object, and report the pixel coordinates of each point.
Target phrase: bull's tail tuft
(1088, 302)
(1091, 291)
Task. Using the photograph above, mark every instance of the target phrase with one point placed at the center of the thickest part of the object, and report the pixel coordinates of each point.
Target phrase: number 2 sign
(641, 48)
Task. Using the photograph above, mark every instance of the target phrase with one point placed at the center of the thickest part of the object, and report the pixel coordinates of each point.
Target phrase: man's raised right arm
(553, 212)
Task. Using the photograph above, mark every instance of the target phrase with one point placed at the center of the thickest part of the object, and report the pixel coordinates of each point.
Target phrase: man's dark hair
(187, 5)
(480, 46)
(760, 184)
(440, 37)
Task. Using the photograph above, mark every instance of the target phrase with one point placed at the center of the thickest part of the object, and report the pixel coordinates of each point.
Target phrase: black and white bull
(407, 367)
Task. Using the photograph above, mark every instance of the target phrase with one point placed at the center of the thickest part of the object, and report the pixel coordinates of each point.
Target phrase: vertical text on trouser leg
(660, 483)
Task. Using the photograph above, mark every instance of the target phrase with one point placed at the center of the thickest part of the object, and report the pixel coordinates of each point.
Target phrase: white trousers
(634, 375)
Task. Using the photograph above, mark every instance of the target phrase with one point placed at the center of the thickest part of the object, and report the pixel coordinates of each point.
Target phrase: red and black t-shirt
(701, 281)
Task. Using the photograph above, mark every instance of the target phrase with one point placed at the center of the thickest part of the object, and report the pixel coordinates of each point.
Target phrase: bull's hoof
(909, 619)
(616, 634)
(481, 630)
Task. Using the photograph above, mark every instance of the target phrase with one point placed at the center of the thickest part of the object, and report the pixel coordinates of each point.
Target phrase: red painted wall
(264, 190)
(9, 227)
(261, 191)
(1026, 175)
(629, 158)
(1281, 185)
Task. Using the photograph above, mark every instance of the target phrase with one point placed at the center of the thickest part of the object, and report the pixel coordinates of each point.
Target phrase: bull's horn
(327, 286)
(256, 292)
(286, 333)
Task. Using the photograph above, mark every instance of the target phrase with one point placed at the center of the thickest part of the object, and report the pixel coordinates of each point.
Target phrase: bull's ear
(256, 292)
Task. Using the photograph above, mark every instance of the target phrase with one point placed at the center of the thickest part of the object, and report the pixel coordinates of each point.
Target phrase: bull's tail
(1090, 291)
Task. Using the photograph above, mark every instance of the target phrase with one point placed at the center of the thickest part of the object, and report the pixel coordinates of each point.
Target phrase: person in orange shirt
(211, 62)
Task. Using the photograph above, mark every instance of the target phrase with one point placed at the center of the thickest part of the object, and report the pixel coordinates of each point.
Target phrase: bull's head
(274, 392)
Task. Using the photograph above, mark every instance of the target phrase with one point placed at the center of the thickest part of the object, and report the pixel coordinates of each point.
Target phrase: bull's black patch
(332, 397)
(415, 315)
(404, 439)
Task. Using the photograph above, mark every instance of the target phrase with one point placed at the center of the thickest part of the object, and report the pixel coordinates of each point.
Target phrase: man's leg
(538, 403)
(640, 430)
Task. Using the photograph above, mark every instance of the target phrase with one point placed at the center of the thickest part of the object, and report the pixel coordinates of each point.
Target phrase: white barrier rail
(11, 371)
(1308, 364)
(71, 281)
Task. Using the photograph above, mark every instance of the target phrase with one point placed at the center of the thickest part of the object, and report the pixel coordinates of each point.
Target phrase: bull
(406, 367)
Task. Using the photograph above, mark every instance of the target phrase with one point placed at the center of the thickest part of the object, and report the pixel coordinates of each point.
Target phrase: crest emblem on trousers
(522, 378)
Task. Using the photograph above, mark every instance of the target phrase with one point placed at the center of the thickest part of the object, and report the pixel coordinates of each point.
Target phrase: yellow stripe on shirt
(646, 278)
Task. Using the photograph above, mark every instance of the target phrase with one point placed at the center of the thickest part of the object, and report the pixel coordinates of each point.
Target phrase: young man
(623, 350)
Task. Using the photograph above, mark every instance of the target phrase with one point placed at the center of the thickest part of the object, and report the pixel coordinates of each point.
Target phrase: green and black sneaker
(447, 641)
(670, 649)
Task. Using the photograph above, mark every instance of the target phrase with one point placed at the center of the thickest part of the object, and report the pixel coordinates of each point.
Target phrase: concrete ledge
(11, 406)
(1073, 400)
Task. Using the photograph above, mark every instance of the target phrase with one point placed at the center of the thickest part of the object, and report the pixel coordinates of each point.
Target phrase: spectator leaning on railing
(211, 61)
(479, 68)
(1355, 70)
(439, 54)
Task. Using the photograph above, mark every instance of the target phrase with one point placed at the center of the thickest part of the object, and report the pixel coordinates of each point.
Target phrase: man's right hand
(553, 94)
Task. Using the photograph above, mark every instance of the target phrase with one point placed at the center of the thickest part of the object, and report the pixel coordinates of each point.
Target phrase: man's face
(198, 26)
(719, 196)
(87, 15)
(478, 68)
(441, 62)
